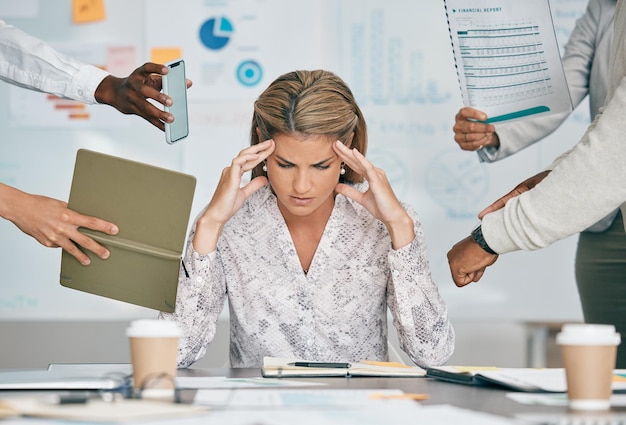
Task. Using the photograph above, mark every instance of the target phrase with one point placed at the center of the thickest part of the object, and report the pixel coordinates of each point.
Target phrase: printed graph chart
(504, 63)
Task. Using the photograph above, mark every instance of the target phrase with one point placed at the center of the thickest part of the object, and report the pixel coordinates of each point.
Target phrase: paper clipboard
(151, 207)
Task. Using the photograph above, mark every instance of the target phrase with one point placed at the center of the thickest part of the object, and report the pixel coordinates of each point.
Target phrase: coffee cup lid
(588, 334)
(153, 328)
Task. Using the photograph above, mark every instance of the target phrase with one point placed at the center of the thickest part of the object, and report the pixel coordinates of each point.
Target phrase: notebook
(151, 207)
(287, 367)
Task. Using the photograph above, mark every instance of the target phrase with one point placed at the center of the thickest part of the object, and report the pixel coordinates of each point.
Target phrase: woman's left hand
(379, 199)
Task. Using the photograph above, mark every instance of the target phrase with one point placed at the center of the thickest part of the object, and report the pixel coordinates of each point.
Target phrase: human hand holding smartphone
(175, 86)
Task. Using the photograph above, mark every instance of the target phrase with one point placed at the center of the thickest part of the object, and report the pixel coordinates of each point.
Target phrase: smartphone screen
(175, 86)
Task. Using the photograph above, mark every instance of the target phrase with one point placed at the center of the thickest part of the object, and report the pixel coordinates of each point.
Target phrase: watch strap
(477, 236)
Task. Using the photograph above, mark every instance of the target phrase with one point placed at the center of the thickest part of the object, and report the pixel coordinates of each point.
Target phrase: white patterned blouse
(335, 312)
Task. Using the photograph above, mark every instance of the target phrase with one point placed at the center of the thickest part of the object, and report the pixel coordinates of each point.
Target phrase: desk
(488, 400)
(482, 399)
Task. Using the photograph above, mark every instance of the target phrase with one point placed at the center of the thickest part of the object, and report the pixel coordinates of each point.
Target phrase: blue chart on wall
(249, 73)
(215, 33)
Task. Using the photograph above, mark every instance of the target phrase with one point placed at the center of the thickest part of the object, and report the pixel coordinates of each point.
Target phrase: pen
(322, 365)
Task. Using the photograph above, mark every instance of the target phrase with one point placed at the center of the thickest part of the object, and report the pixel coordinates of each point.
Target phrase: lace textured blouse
(335, 312)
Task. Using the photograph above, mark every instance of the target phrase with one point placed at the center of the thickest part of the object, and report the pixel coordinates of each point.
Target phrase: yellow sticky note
(88, 10)
(165, 54)
(385, 364)
(405, 396)
(619, 378)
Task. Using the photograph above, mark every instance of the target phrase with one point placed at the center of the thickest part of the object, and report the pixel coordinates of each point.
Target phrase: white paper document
(198, 382)
(507, 58)
(557, 399)
(544, 380)
(297, 398)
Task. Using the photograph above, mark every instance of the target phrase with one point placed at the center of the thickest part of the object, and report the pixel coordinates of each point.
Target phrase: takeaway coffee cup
(589, 353)
(153, 350)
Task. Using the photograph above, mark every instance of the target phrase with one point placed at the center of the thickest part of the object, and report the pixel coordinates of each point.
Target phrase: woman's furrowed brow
(280, 158)
(323, 162)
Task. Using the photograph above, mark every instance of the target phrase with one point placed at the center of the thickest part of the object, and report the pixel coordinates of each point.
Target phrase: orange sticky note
(165, 54)
(384, 364)
(619, 378)
(88, 11)
(405, 396)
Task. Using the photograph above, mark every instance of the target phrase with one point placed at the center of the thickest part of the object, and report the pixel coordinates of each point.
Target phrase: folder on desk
(549, 380)
(151, 207)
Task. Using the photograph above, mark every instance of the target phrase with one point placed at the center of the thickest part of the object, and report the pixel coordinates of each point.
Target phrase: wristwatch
(477, 236)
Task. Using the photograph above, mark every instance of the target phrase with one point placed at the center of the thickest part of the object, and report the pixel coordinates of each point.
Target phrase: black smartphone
(175, 86)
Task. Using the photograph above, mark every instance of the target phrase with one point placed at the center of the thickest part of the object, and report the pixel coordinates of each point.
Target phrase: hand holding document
(507, 58)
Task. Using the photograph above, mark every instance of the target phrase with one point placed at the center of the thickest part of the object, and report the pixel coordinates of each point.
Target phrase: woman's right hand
(229, 195)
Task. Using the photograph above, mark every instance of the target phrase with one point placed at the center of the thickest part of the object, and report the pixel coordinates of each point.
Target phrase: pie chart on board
(215, 33)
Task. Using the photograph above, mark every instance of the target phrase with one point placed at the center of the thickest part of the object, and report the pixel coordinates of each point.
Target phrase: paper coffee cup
(589, 353)
(153, 350)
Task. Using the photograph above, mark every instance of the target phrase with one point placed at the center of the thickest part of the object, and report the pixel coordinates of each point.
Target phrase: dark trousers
(601, 279)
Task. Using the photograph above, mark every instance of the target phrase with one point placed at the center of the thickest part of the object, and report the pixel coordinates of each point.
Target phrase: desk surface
(483, 399)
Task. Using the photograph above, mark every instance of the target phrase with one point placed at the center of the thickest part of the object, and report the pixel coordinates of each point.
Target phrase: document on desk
(217, 382)
(291, 398)
(101, 411)
(345, 407)
(507, 58)
(549, 380)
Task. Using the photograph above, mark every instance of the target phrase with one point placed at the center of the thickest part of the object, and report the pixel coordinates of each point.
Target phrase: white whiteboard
(395, 55)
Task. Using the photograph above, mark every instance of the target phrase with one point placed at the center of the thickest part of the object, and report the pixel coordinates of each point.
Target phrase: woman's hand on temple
(229, 195)
(379, 199)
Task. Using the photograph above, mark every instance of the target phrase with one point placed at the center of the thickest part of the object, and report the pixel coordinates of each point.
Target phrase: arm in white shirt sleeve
(199, 302)
(419, 313)
(583, 187)
(31, 63)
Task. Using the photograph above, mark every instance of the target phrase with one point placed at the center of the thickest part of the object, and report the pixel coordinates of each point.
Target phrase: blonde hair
(309, 103)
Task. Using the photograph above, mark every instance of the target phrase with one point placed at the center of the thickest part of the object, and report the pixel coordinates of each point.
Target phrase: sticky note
(165, 54)
(384, 364)
(619, 377)
(88, 11)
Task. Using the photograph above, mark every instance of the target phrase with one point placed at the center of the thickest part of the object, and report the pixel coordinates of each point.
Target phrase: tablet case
(151, 207)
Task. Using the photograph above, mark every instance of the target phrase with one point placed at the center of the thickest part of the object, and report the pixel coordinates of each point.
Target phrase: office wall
(394, 54)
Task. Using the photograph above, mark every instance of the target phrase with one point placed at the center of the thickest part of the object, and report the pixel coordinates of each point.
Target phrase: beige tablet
(151, 207)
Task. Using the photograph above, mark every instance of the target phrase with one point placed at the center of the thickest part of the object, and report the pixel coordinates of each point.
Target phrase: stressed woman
(314, 249)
